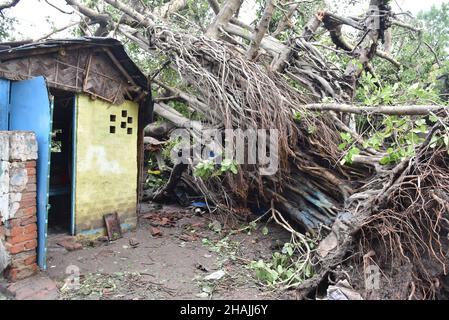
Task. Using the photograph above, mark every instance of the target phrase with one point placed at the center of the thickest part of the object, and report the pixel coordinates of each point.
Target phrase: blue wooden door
(4, 104)
(30, 109)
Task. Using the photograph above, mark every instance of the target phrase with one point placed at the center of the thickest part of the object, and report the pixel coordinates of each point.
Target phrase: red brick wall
(19, 234)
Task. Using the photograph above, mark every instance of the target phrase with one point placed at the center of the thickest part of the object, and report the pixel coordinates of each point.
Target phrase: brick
(31, 171)
(22, 238)
(20, 258)
(70, 245)
(27, 203)
(26, 213)
(27, 221)
(31, 187)
(30, 228)
(30, 164)
(15, 274)
(30, 260)
(15, 249)
(15, 231)
(30, 245)
(31, 179)
(28, 196)
(14, 223)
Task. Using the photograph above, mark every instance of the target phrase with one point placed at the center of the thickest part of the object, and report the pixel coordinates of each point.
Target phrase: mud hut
(87, 103)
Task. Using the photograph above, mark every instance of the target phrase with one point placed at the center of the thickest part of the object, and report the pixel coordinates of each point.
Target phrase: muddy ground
(168, 257)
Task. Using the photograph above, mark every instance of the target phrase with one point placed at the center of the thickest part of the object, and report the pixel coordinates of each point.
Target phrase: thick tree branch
(261, 29)
(103, 20)
(170, 7)
(286, 20)
(8, 5)
(228, 10)
(413, 110)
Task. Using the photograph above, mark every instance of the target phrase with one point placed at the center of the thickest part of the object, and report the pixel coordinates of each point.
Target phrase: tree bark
(413, 110)
(227, 11)
(261, 29)
(8, 5)
(170, 7)
(286, 20)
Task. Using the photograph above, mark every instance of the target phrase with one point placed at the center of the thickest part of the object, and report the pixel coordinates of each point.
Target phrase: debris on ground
(200, 267)
(217, 275)
(188, 237)
(342, 290)
(69, 243)
(133, 242)
(155, 232)
(162, 219)
(152, 269)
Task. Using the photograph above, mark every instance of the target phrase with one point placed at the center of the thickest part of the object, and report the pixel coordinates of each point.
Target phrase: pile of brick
(18, 212)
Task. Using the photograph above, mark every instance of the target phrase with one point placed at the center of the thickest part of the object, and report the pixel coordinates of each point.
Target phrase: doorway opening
(61, 164)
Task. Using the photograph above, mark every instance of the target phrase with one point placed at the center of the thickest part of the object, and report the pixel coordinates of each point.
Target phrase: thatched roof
(98, 66)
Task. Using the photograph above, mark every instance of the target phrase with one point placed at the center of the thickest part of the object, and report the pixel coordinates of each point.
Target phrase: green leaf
(264, 231)
(433, 118)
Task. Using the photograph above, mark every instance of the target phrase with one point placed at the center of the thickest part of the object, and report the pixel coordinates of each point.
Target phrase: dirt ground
(168, 257)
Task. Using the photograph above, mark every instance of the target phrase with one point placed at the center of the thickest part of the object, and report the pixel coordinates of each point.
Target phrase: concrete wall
(106, 164)
(18, 212)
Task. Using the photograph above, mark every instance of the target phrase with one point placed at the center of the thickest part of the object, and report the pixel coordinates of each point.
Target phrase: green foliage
(206, 169)
(222, 246)
(423, 56)
(422, 80)
(371, 93)
(283, 268)
(348, 143)
(228, 165)
(156, 176)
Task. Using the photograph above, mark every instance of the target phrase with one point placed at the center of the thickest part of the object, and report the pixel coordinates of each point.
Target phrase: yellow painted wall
(106, 164)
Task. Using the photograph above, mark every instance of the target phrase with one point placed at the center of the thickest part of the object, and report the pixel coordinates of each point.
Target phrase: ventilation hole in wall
(130, 119)
(130, 130)
(112, 118)
(112, 129)
(124, 113)
(123, 125)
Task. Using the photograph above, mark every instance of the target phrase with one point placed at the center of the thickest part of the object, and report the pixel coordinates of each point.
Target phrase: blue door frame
(30, 109)
(74, 149)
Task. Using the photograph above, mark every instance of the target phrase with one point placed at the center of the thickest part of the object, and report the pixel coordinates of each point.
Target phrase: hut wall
(106, 164)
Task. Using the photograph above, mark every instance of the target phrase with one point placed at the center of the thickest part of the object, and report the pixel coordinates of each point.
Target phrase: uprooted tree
(362, 145)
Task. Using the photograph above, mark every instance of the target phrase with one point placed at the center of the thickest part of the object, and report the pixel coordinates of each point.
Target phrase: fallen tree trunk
(312, 190)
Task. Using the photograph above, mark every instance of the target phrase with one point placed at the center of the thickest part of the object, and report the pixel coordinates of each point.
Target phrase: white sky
(33, 14)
